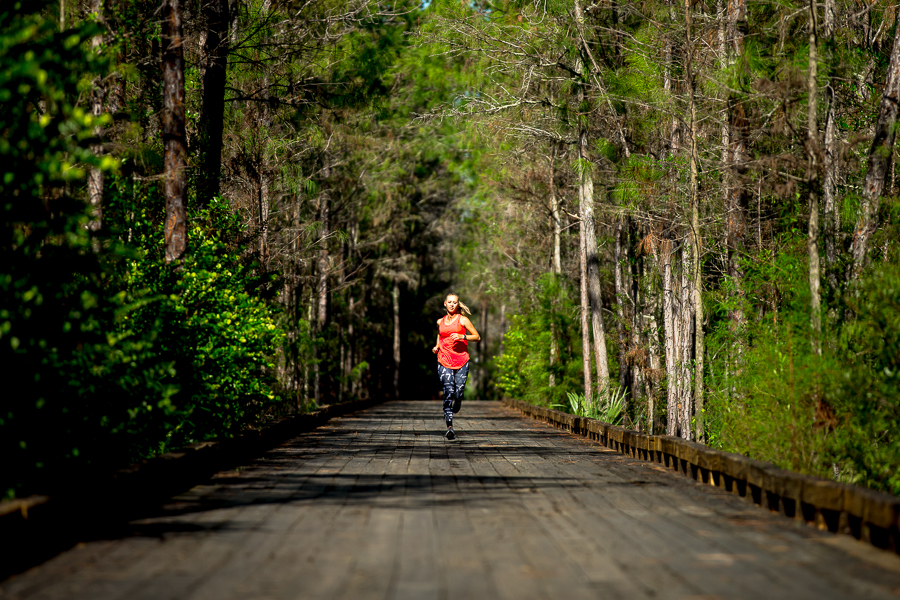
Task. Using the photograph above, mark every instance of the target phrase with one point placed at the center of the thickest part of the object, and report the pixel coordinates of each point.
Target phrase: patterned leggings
(454, 382)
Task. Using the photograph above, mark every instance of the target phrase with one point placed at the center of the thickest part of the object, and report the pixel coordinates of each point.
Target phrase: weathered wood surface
(865, 514)
(35, 528)
(378, 505)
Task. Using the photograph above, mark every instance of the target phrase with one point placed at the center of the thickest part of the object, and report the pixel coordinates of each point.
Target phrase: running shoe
(450, 435)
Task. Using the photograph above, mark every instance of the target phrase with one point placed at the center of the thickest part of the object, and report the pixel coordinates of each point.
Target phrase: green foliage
(770, 413)
(866, 383)
(111, 355)
(640, 175)
(606, 149)
(123, 357)
(136, 357)
(211, 326)
(643, 77)
(834, 413)
(59, 310)
(524, 369)
(764, 407)
(609, 407)
(582, 166)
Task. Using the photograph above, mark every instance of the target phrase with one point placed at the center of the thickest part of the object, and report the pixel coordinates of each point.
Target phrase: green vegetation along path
(379, 505)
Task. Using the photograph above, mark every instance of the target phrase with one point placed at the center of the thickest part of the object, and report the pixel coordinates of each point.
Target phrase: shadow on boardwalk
(372, 444)
(378, 505)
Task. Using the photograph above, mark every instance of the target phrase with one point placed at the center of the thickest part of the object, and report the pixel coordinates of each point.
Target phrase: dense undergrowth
(833, 414)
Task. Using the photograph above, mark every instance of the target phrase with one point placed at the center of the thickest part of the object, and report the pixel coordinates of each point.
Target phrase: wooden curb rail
(840, 508)
(36, 528)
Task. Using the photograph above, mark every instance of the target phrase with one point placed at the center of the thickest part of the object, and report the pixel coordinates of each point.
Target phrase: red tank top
(452, 354)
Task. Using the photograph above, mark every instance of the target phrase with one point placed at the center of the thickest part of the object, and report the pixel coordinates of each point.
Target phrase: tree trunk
(879, 161)
(554, 217)
(638, 361)
(678, 325)
(212, 108)
(679, 319)
(670, 328)
(295, 377)
(586, 200)
(395, 297)
(483, 347)
(593, 264)
(351, 342)
(556, 264)
(321, 299)
(832, 212)
(264, 199)
(264, 123)
(623, 289)
(737, 18)
(174, 136)
(341, 362)
(722, 20)
(696, 299)
(651, 302)
(502, 327)
(585, 319)
(668, 81)
(736, 198)
(668, 58)
(95, 175)
(686, 318)
(812, 143)
(312, 332)
(352, 352)
(699, 336)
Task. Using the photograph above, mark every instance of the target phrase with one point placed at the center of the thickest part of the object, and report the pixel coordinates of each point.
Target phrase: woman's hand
(457, 336)
(434, 350)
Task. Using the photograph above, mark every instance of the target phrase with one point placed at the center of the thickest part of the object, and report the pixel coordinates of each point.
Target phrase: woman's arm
(471, 336)
(436, 344)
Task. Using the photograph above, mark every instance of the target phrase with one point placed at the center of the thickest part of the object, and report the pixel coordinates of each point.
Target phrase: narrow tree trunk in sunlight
(174, 136)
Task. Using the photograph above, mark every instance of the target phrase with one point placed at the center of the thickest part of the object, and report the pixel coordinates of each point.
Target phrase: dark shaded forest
(673, 216)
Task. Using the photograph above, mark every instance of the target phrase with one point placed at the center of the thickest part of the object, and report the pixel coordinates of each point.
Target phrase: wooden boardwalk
(379, 505)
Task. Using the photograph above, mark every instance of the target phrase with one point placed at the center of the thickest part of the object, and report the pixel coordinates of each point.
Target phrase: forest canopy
(676, 217)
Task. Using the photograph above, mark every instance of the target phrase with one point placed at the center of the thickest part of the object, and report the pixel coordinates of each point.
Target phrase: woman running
(455, 331)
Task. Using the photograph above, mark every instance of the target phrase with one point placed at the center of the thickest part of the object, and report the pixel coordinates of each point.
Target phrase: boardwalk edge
(865, 514)
(37, 527)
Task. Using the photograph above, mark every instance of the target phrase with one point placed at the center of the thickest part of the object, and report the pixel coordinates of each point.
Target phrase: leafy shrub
(68, 363)
(212, 326)
(524, 369)
(865, 445)
(834, 414)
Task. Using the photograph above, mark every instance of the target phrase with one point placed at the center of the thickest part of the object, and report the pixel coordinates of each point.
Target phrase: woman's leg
(448, 382)
(459, 377)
